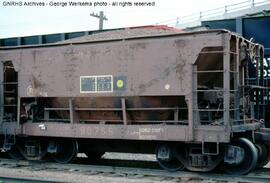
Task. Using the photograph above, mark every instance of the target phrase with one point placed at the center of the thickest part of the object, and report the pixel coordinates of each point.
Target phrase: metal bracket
(204, 152)
(234, 154)
(9, 141)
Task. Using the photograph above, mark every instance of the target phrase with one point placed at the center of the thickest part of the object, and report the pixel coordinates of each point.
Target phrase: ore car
(185, 97)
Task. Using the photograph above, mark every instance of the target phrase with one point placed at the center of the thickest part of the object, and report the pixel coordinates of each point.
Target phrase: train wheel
(193, 158)
(4, 155)
(263, 157)
(167, 158)
(33, 149)
(94, 156)
(244, 163)
(66, 151)
(15, 153)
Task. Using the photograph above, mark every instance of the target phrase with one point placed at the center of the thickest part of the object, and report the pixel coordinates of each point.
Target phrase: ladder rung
(9, 83)
(209, 71)
(8, 105)
(9, 91)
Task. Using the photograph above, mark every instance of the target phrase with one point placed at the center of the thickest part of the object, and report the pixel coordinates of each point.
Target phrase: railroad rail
(21, 180)
(54, 172)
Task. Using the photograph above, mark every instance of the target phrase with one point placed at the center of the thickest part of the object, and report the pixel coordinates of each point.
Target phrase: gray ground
(129, 156)
(73, 175)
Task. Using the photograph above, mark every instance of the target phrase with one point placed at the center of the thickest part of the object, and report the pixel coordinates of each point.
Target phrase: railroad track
(16, 171)
(21, 180)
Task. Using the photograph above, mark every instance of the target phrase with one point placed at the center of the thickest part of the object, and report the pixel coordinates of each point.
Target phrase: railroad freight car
(185, 97)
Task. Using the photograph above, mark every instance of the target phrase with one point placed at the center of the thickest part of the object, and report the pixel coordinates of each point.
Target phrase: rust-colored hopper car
(185, 97)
